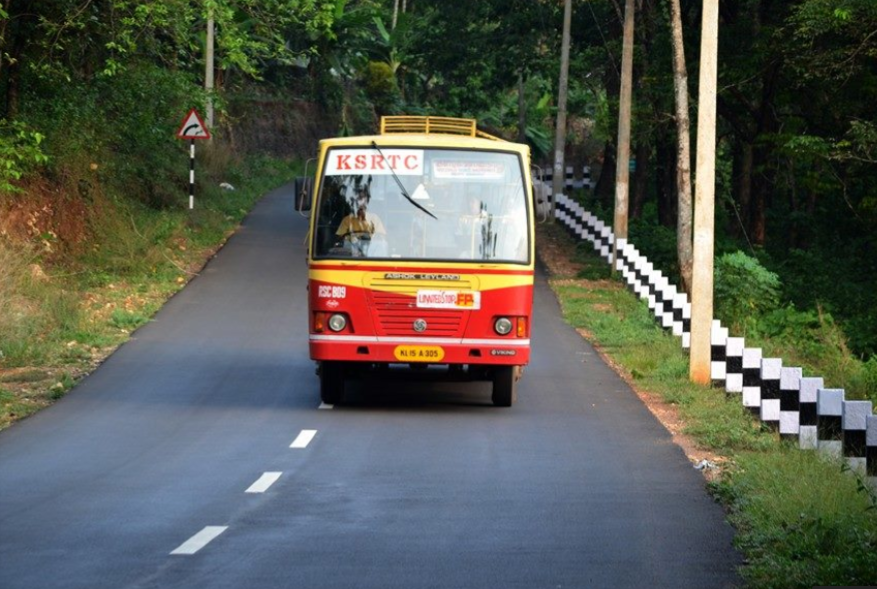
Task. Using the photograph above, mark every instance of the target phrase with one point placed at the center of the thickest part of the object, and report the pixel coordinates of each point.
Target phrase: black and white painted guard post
(790, 402)
(771, 376)
(808, 416)
(752, 379)
(871, 450)
(192, 128)
(829, 421)
(191, 174)
(855, 426)
(734, 347)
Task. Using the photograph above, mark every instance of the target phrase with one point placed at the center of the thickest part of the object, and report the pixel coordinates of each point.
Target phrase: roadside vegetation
(801, 519)
(62, 312)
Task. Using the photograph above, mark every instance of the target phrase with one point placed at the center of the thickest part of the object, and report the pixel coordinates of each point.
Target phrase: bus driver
(358, 227)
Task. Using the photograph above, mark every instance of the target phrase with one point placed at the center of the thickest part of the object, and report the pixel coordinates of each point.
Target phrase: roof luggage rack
(433, 125)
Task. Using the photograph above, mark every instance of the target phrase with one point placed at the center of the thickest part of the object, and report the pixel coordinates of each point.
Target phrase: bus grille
(395, 308)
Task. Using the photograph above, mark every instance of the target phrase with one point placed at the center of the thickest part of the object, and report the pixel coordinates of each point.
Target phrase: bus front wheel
(504, 386)
(331, 382)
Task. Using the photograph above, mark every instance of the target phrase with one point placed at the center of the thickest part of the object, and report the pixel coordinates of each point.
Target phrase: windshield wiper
(401, 186)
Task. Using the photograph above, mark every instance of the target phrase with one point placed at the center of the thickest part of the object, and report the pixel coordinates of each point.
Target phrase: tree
(683, 156)
(560, 134)
(624, 122)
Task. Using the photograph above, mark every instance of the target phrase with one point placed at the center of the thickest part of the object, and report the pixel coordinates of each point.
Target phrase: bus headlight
(503, 326)
(337, 322)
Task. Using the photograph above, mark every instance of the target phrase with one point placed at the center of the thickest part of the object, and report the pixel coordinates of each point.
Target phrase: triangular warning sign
(193, 127)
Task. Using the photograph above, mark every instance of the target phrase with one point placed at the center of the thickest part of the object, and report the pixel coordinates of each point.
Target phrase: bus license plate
(419, 353)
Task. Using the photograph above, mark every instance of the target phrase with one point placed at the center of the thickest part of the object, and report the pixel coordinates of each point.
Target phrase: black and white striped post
(682, 319)
(829, 421)
(734, 365)
(790, 402)
(191, 174)
(808, 420)
(718, 352)
(548, 175)
(192, 128)
(587, 183)
(752, 379)
(855, 424)
(871, 450)
(771, 375)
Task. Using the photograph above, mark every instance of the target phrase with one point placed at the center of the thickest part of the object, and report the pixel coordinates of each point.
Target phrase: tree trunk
(560, 134)
(622, 184)
(604, 189)
(683, 152)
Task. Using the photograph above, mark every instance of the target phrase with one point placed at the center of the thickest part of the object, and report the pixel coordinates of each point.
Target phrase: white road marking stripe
(325, 406)
(200, 540)
(304, 438)
(264, 482)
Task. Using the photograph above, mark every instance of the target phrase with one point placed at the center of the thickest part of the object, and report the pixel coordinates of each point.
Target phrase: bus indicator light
(522, 327)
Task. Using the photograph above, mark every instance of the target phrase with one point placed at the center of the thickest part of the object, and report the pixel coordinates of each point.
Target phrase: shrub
(381, 87)
(744, 290)
(20, 152)
(658, 243)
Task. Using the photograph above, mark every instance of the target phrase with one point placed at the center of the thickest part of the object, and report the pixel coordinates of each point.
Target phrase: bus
(421, 256)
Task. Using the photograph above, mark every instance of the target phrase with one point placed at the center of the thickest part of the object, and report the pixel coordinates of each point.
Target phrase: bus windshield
(368, 205)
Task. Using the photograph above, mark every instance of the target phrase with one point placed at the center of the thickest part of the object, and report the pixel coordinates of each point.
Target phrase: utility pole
(560, 136)
(622, 164)
(208, 68)
(704, 198)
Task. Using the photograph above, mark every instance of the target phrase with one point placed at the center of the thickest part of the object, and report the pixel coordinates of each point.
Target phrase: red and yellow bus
(421, 255)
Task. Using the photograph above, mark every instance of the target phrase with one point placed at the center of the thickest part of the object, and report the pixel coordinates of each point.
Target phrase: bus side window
(333, 208)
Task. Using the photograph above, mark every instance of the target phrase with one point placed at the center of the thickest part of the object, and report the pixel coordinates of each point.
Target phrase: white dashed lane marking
(209, 533)
(304, 438)
(200, 540)
(264, 482)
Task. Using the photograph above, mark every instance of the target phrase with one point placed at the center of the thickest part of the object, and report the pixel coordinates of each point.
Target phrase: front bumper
(428, 350)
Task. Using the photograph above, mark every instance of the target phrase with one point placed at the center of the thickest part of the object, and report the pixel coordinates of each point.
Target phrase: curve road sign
(193, 127)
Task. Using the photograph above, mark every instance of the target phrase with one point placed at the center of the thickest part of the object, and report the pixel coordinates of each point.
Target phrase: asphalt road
(139, 477)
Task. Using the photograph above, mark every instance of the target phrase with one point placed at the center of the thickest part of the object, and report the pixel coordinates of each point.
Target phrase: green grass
(128, 320)
(801, 520)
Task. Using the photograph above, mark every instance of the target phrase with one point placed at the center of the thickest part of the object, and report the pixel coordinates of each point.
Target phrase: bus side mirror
(303, 193)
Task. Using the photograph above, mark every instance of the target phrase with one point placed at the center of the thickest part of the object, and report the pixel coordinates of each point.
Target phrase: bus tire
(331, 382)
(504, 386)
